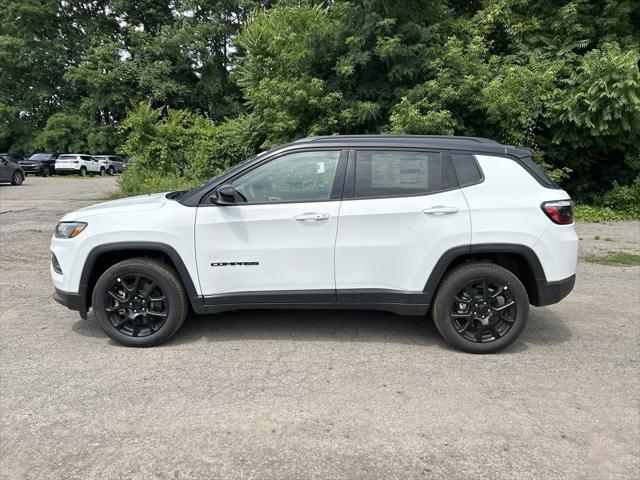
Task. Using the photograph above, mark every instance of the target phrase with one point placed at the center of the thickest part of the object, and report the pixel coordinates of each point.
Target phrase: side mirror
(225, 195)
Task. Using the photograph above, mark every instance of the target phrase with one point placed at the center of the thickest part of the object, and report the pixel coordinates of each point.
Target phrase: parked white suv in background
(465, 228)
(111, 163)
(78, 163)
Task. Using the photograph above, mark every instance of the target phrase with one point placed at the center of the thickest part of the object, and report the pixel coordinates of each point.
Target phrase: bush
(624, 198)
(175, 149)
(589, 213)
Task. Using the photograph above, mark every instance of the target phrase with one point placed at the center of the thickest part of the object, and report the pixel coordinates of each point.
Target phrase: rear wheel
(101, 171)
(140, 302)
(83, 171)
(481, 307)
(111, 170)
(17, 178)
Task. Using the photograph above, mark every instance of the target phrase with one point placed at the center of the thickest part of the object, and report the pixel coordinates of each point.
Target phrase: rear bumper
(552, 292)
(73, 301)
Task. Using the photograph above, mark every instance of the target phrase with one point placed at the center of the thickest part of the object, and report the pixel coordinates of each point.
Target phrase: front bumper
(552, 292)
(32, 168)
(73, 301)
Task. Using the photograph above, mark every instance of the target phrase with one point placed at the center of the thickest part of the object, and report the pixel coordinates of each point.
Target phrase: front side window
(296, 177)
(398, 173)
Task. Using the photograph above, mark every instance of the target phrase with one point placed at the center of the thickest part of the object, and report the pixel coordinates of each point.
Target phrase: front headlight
(69, 229)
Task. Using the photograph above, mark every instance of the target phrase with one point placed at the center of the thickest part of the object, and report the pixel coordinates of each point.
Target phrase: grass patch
(615, 258)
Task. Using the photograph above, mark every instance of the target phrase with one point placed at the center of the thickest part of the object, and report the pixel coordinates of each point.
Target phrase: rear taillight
(559, 211)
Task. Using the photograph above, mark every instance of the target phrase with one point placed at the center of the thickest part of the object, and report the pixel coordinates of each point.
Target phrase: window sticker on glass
(320, 167)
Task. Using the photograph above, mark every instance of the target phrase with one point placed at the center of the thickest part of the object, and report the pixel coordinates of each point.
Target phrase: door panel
(280, 235)
(273, 249)
(4, 170)
(391, 244)
(394, 242)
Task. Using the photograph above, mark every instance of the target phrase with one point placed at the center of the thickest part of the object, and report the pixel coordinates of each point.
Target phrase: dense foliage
(189, 87)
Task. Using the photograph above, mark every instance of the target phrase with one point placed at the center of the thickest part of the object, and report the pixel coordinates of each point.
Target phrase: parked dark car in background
(39, 164)
(10, 171)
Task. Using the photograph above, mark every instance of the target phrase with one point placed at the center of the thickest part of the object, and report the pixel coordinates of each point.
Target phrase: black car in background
(40, 164)
(10, 171)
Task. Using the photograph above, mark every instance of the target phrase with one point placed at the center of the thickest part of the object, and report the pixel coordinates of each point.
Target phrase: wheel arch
(520, 260)
(104, 256)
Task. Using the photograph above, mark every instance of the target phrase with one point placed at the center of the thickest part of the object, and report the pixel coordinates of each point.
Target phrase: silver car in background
(111, 163)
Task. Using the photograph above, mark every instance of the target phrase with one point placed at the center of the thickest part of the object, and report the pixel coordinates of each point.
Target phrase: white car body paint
(73, 163)
(379, 243)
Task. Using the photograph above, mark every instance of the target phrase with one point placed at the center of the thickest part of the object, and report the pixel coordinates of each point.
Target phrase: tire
(470, 317)
(17, 178)
(83, 171)
(45, 171)
(122, 327)
(102, 171)
(111, 171)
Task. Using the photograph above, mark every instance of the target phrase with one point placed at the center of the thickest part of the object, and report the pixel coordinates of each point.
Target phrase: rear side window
(466, 169)
(399, 173)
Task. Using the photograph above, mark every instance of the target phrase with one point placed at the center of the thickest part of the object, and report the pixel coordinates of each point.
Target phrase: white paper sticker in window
(320, 167)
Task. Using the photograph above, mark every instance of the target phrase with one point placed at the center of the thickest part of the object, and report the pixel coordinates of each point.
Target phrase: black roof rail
(383, 137)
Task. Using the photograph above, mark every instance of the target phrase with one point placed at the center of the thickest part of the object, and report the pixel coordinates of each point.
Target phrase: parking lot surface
(310, 395)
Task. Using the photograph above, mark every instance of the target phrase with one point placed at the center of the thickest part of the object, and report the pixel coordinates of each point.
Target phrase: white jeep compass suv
(467, 229)
(78, 163)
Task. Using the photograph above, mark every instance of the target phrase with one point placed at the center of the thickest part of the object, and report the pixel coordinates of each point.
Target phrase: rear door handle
(312, 217)
(440, 210)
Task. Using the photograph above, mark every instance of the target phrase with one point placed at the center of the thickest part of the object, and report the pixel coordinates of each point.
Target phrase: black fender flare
(449, 257)
(153, 247)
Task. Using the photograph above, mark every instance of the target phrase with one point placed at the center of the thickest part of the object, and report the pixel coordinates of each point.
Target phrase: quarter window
(399, 173)
(297, 177)
(466, 169)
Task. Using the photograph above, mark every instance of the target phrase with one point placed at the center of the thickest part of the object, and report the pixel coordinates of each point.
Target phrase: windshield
(40, 156)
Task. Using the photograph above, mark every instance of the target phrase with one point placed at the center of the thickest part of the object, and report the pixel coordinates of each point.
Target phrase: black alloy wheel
(483, 310)
(140, 302)
(136, 306)
(480, 307)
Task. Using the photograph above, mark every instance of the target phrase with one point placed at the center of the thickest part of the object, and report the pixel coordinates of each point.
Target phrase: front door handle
(440, 210)
(312, 217)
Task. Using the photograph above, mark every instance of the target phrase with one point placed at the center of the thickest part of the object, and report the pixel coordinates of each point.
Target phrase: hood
(132, 205)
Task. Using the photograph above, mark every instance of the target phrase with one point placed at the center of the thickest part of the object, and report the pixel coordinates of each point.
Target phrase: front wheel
(481, 307)
(45, 171)
(83, 171)
(140, 302)
(17, 178)
(101, 171)
(112, 171)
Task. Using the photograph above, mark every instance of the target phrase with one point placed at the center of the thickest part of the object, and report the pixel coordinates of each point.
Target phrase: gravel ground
(292, 395)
